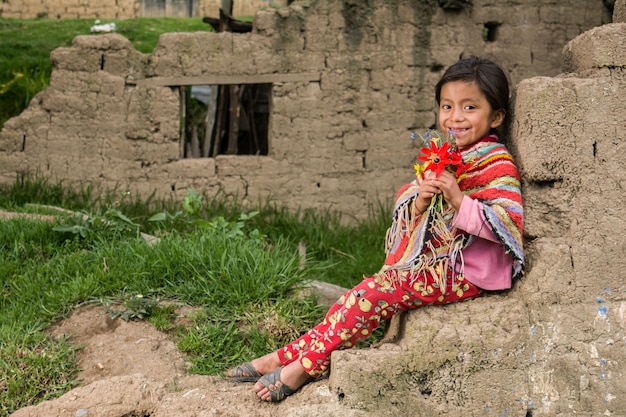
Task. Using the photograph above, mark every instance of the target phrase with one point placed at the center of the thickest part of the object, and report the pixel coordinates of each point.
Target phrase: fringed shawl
(427, 242)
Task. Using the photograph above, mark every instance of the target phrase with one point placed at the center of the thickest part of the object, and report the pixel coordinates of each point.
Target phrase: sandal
(244, 373)
(278, 390)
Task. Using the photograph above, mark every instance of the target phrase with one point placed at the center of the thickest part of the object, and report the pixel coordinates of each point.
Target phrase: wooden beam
(228, 79)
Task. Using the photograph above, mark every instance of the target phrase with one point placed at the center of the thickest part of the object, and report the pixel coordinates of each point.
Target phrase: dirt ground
(130, 369)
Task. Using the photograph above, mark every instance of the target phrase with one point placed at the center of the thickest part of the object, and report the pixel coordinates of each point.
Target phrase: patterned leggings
(360, 310)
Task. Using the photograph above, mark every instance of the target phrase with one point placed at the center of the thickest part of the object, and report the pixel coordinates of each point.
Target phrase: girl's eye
(470, 107)
(445, 107)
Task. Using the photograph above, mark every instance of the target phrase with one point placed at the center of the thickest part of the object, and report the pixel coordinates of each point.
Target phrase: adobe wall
(69, 9)
(350, 82)
(555, 344)
(117, 9)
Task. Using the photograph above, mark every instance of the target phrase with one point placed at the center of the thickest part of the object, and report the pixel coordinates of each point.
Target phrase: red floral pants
(360, 310)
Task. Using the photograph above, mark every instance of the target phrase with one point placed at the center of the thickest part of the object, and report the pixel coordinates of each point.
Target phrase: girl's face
(465, 112)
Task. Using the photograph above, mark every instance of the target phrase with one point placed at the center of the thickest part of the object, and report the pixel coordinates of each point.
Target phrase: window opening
(490, 31)
(229, 119)
(224, 119)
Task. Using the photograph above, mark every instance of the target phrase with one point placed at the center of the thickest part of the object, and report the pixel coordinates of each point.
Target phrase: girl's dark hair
(487, 75)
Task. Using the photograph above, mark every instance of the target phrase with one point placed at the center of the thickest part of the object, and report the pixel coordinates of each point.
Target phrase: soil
(131, 369)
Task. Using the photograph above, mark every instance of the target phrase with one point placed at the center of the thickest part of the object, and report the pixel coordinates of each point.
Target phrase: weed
(136, 307)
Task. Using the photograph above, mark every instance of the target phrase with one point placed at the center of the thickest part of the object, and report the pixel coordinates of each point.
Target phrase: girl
(478, 248)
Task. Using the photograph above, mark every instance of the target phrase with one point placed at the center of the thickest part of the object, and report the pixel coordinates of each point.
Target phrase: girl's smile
(465, 112)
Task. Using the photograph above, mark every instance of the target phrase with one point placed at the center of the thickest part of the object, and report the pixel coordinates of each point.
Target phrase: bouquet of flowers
(437, 154)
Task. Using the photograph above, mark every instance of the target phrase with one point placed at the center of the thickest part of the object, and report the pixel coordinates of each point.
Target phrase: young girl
(478, 248)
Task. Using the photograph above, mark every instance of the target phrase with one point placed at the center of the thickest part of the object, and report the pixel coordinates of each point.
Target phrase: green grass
(25, 46)
(242, 271)
(346, 253)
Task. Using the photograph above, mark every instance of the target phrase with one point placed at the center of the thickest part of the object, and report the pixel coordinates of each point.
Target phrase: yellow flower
(419, 170)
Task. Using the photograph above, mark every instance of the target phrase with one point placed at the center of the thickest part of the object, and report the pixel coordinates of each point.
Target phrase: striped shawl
(427, 242)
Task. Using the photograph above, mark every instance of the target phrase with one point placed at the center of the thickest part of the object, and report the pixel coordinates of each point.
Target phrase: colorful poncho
(417, 243)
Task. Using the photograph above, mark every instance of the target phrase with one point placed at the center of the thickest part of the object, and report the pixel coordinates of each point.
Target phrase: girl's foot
(261, 365)
(286, 380)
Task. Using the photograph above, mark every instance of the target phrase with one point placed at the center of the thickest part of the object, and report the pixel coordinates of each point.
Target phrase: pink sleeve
(471, 219)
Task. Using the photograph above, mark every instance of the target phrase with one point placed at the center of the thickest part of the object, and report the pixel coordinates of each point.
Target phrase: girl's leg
(288, 354)
(355, 315)
(293, 350)
(360, 311)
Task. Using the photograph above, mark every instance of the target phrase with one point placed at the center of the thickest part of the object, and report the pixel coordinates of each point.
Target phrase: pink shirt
(487, 264)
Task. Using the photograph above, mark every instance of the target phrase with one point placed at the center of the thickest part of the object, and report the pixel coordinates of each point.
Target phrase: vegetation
(26, 44)
(239, 265)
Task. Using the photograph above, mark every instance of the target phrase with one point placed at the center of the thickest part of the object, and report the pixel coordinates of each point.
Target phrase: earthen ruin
(126, 9)
(349, 82)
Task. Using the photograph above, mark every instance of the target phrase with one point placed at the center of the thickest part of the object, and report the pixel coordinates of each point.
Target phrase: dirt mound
(130, 369)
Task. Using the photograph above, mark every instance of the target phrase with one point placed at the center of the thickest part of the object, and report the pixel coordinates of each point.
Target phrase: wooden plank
(228, 79)
(181, 115)
(234, 111)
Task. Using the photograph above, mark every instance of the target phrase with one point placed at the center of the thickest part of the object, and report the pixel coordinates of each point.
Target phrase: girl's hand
(446, 184)
(427, 190)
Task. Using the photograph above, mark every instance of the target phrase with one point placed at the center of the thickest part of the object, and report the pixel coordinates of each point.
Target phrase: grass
(25, 46)
(238, 265)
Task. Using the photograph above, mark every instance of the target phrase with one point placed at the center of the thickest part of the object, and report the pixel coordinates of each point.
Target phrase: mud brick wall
(124, 9)
(350, 82)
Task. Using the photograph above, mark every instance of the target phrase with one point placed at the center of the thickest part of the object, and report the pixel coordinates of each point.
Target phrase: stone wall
(69, 9)
(350, 82)
(555, 344)
(123, 9)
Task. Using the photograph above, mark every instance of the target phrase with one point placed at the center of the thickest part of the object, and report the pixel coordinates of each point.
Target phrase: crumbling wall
(351, 80)
(123, 9)
(69, 9)
(555, 344)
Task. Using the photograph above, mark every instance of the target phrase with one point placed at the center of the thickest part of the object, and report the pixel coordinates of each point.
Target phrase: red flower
(436, 158)
(457, 159)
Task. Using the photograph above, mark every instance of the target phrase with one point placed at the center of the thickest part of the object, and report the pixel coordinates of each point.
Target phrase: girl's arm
(470, 218)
